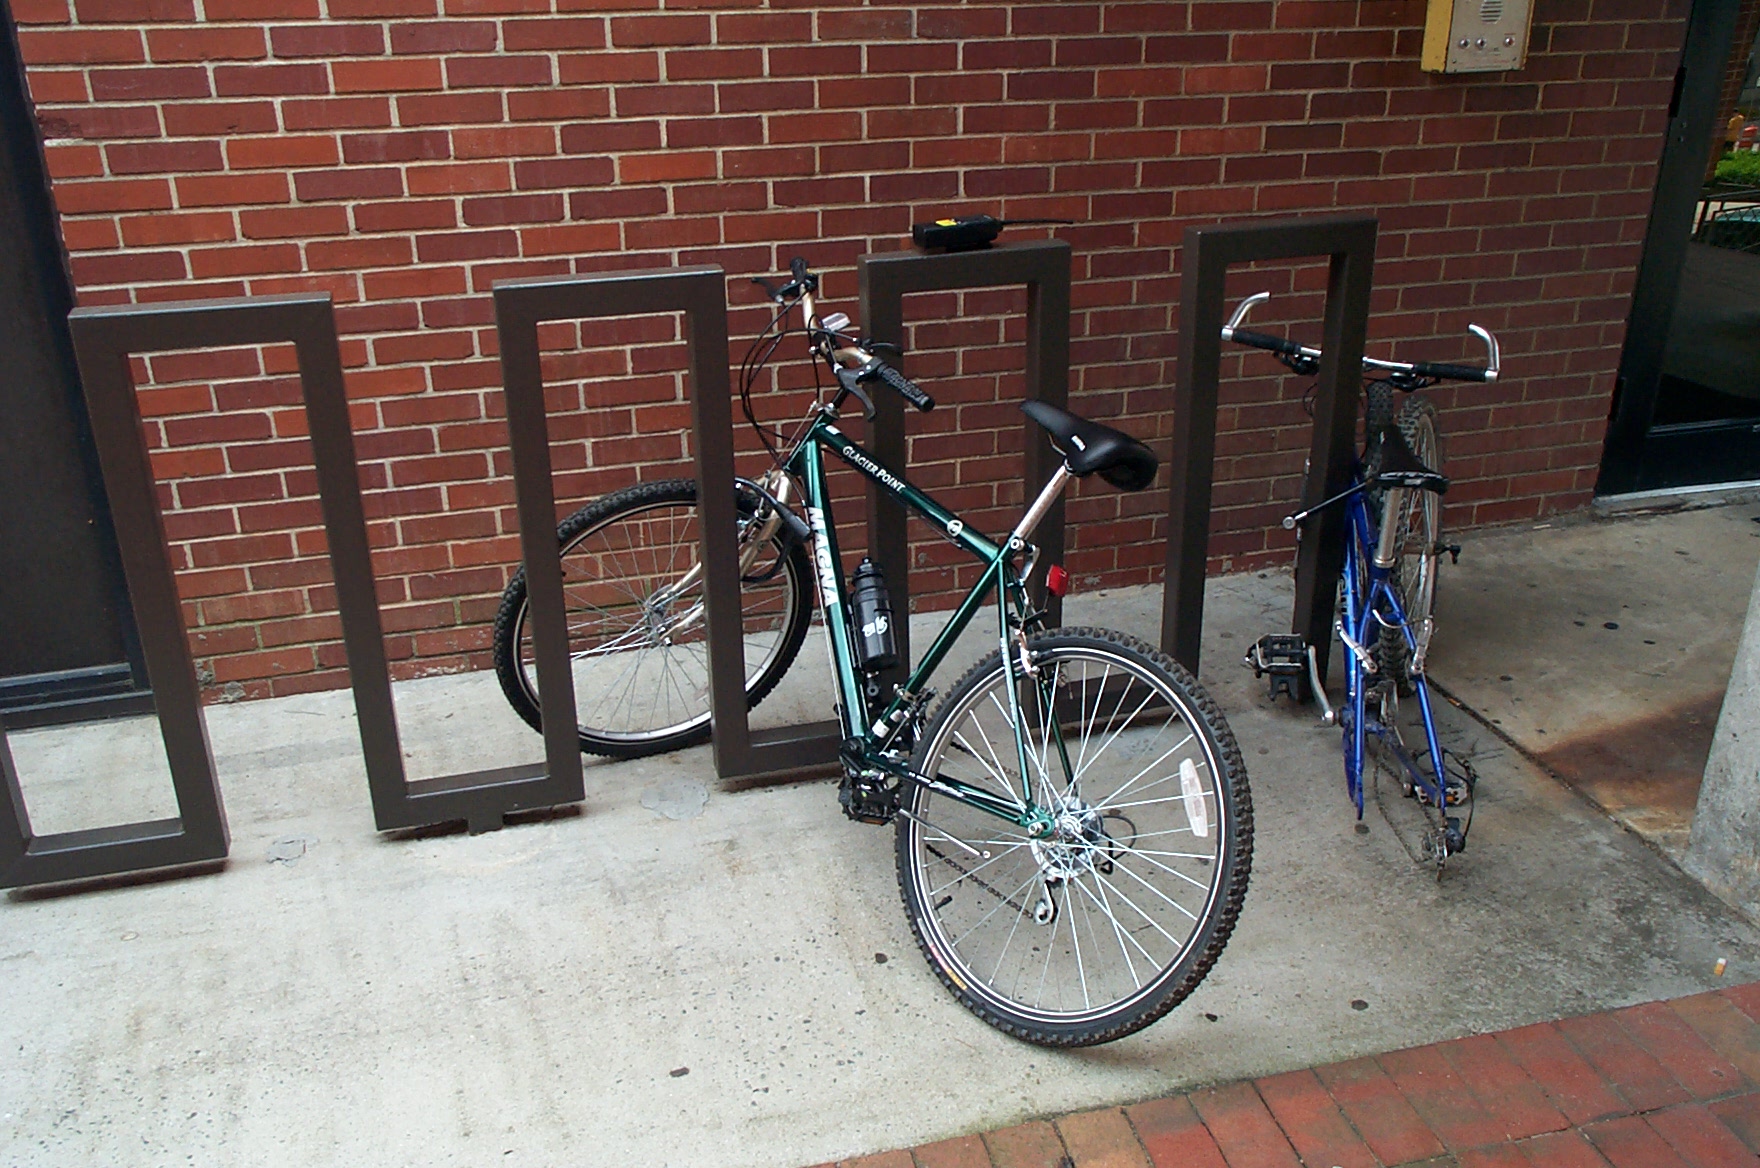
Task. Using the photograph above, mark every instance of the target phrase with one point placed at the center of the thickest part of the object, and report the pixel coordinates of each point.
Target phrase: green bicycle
(1074, 826)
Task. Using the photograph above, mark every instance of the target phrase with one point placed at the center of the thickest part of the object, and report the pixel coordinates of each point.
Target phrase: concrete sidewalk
(677, 975)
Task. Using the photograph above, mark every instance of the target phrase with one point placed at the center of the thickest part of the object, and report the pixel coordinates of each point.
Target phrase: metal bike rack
(884, 281)
(701, 294)
(104, 340)
(1349, 241)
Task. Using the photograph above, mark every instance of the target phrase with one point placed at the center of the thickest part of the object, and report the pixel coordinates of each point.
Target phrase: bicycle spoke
(1127, 870)
(1128, 782)
(1120, 933)
(1147, 919)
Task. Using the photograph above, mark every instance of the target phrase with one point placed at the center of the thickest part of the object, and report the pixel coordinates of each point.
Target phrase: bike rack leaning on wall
(743, 755)
(104, 340)
(1349, 241)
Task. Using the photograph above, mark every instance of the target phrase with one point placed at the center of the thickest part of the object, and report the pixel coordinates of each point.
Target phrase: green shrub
(1742, 168)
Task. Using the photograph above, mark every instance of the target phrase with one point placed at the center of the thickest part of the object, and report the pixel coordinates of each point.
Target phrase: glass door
(1687, 403)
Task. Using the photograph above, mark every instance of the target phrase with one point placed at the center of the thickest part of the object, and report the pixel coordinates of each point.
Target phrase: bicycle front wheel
(637, 637)
(1419, 537)
(1105, 915)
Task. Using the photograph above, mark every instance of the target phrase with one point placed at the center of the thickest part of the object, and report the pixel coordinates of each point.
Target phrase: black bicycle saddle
(1090, 448)
(1400, 467)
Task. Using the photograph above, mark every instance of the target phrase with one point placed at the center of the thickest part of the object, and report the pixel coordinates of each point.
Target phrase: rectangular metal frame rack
(104, 340)
(700, 292)
(1349, 243)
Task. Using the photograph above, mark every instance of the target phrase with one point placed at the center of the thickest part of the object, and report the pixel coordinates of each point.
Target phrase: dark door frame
(62, 695)
(1633, 458)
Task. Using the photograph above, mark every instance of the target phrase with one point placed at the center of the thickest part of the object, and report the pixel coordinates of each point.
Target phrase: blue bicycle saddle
(1090, 448)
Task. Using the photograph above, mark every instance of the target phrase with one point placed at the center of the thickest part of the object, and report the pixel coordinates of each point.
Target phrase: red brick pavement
(1661, 1085)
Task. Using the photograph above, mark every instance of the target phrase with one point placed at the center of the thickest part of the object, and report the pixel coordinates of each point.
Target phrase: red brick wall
(401, 154)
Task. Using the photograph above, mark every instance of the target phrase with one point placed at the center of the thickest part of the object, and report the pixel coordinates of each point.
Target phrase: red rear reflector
(1057, 581)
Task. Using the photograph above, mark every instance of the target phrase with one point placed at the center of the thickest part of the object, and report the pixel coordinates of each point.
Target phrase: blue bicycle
(1387, 593)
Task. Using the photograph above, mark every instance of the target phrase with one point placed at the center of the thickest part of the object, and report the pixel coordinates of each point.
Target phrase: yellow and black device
(1476, 36)
(968, 233)
(964, 234)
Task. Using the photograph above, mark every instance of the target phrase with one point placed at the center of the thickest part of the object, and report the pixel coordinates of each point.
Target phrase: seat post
(1392, 506)
(1024, 529)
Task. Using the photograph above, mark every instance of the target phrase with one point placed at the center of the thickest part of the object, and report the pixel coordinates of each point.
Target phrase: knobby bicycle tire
(1141, 880)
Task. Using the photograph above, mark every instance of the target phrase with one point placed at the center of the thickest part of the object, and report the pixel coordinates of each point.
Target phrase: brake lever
(876, 346)
(849, 379)
(770, 290)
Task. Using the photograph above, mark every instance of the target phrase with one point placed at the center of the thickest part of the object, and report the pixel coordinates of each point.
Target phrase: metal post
(1350, 242)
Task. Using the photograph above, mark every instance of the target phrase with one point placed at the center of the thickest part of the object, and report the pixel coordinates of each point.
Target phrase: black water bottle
(876, 648)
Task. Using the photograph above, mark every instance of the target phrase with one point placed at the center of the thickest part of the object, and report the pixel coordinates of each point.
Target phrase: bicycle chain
(966, 873)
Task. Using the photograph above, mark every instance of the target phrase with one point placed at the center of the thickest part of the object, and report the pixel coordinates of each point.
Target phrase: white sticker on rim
(1196, 813)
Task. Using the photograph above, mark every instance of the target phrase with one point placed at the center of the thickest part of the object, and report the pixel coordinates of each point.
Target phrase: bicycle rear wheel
(637, 639)
(1116, 909)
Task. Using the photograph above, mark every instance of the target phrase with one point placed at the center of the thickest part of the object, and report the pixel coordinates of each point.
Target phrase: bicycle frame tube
(1367, 591)
(807, 463)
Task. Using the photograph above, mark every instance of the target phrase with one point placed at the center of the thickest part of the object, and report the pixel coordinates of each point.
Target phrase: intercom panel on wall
(1476, 36)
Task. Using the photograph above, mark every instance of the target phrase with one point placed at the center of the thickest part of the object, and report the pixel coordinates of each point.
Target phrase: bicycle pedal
(868, 799)
(1279, 654)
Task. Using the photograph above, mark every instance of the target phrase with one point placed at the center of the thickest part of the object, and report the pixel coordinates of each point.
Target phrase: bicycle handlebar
(1452, 372)
(1270, 343)
(832, 346)
(1440, 370)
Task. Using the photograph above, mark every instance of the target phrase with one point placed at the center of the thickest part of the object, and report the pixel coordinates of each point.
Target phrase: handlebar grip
(907, 389)
(1450, 372)
(1265, 341)
(797, 268)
